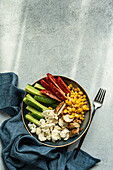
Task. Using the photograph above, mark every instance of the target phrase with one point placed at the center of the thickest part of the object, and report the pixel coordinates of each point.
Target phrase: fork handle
(83, 137)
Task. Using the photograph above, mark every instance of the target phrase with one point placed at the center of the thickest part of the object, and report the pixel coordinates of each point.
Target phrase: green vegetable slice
(45, 100)
(35, 112)
(30, 101)
(32, 90)
(32, 119)
(39, 86)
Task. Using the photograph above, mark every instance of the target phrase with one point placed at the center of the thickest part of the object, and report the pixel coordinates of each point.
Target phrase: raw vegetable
(32, 119)
(44, 99)
(45, 84)
(57, 92)
(30, 101)
(50, 94)
(35, 112)
(62, 85)
(51, 78)
(39, 86)
(32, 90)
(54, 81)
(53, 105)
(47, 80)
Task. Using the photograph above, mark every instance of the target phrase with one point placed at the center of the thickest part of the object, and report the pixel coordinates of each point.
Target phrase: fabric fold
(21, 151)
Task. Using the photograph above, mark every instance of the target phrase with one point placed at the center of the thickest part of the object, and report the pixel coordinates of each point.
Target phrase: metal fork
(98, 101)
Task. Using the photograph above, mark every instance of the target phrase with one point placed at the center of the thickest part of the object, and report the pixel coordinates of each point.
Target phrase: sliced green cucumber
(32, 119)
(39, 86)
(53, 105)
(35, 112)
(30, 101)
(32, 90)
(45, 100)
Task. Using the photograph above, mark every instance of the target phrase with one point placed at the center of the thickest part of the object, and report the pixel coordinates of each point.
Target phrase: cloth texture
(21, 151)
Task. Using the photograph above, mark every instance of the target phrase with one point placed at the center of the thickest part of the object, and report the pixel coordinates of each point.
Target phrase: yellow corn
(50, 108)
(65, 111)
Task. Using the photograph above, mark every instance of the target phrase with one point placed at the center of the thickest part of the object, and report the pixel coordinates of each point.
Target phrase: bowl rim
(90, 116)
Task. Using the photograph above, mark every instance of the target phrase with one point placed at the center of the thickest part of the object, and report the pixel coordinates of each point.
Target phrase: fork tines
(100, 95)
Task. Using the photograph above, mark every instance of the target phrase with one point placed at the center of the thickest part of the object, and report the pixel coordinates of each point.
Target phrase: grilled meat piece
(73, 125)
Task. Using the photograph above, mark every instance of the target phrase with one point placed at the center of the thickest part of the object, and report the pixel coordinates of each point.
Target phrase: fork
(98, 101)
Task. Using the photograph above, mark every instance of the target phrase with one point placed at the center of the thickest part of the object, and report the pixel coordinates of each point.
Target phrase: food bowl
(85, 124)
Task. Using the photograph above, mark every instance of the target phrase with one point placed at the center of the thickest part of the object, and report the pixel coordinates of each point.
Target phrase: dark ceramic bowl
(84, 125)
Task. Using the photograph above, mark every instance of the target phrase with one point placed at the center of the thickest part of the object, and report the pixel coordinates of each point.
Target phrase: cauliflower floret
(46, 129)
(33, 130)
(42, 122)
(65, 133)
(32, 127)
(55, 135)
(57, 128)
(52, 121)
(38, 130)
(48, 114)
(67, 136)
(62, 123)
(41, 137)
(48, 137)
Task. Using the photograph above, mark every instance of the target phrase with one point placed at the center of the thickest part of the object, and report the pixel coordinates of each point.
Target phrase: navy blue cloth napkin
(21, 151)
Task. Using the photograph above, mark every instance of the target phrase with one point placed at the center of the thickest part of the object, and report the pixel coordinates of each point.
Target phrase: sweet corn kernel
(85, 107)
(71, 116)
(66, 101)
(73, 101)
(78, 89)
(67, 95)
(50, 108)
(72, 96)
(77, 115)
(73, 109)
(69, 102)
(71, 85)
(80, 92)
(79, 110)
(65, 111)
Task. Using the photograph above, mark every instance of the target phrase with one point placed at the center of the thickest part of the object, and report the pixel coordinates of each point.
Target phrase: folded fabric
(24, 152)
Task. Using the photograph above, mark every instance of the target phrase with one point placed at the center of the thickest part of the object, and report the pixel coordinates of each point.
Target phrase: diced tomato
(47, 80)
(45, 84)
(57, 92)
(62, 85)
(51, 78)
(50, 94)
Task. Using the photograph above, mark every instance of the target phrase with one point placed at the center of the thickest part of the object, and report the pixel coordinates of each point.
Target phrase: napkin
(21, 151)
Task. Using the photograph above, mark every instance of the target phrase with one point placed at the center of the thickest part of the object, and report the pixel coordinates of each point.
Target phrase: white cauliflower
(65, 134)
(38, 130)
(32, 127)
(55, 135)
(50, 128)
(41, 137)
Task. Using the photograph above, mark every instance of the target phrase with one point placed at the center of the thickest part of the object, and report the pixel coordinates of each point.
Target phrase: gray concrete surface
(73, 38)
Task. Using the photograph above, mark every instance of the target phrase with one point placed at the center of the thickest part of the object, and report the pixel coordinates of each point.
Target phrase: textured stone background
(73, 38)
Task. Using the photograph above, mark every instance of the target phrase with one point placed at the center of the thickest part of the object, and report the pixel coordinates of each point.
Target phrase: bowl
(85, 124)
